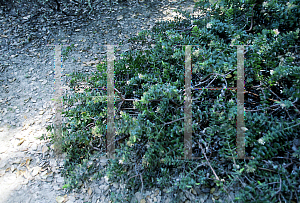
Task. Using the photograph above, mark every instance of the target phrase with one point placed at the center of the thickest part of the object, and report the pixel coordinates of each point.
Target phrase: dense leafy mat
(150, 140)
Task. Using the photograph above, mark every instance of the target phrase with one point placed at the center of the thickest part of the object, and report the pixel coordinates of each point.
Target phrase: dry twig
(213, 170)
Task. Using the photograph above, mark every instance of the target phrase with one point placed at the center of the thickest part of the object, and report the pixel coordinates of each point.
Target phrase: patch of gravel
(29, 169)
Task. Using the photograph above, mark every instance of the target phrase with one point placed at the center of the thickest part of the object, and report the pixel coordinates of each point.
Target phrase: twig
(251, 19)
(292, 126)
(174, 121)
(291, 196)
(90, 124)
(292, 102)
(279, 187)
(232, 156)
(265, 169)
(120, 106)
(208, 161)
(213, 169)
(204, 79)
(203, 89)
(258, 96)
(283, 197)
(184, 29)
(96, 148)
(119, 93)
(278, 157)
(132, 177)
(288, 165)
(281, 100)
(141, 180)
(140, 177)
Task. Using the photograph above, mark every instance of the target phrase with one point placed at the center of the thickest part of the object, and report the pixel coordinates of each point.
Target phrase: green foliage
(154, 77)
(66, 52)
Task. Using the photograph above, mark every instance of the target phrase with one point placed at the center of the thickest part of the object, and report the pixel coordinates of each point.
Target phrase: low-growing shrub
(151, 141)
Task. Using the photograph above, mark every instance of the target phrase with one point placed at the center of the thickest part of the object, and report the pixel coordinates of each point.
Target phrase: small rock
(60, 199)
(120, 17)
(35, 170)
(72, 198)
(56, 187)
(17, 161)
(90, 191)
(190, 196)
(104, 187)
(157, 192)
(206, 190)
(44, 149)
(97, 190)
(106, 179)
(216, 197)
(11, 80)
(203, 197)
(60, 180)
(133, 200)
(116, 185)
(49, 179)
(138, 196)
(193, 191)
(34, 147)
(26, 17)
(95, 199)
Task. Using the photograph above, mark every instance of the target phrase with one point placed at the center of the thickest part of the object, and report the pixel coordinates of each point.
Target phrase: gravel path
(29, 169)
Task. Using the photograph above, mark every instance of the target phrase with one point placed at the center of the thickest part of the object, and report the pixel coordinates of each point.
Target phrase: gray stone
(158, 199)
(182, 196)
(134, 200)
(202, 197)
(168, 200)
(189, 195)
(104, 188)
(138, 196)
(97, 190)
(94, 199)
(209, 200)
(115, 185)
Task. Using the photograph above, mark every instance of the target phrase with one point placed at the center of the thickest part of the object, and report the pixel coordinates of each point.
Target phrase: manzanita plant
(149, 139)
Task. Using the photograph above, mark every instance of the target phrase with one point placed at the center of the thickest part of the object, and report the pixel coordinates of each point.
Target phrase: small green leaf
(66, 186)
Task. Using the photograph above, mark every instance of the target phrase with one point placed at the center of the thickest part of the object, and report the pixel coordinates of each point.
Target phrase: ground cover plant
(150, 139)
